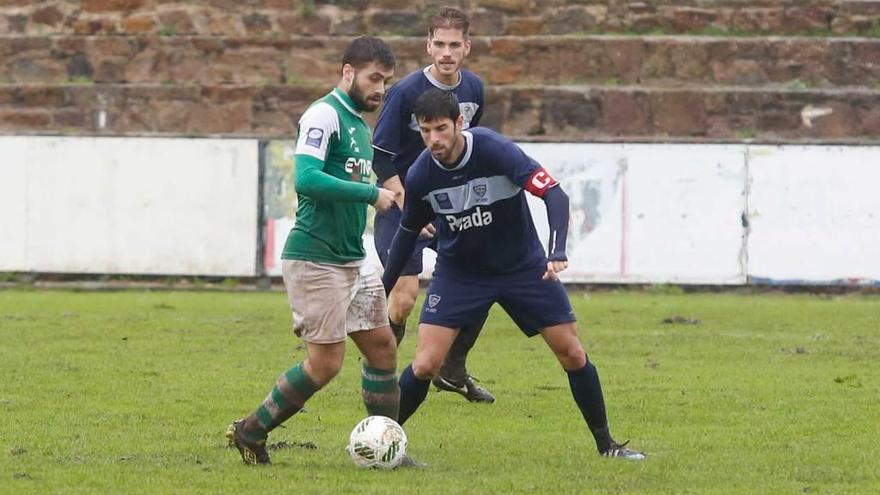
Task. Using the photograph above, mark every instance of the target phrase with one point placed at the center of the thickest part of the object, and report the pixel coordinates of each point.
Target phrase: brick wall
(250, 67)
(491, 17)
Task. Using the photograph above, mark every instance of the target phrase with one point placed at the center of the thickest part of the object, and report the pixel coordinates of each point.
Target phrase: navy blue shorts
(384, 227)
(532, 303)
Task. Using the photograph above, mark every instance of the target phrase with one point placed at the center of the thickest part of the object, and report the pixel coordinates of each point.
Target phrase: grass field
(130, 392)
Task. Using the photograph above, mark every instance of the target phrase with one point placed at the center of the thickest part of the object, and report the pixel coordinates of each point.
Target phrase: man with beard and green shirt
(333, 292)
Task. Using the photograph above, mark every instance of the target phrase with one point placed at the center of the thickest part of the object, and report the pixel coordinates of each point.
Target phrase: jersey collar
(469, 148)
(433, 80)
(346, 101)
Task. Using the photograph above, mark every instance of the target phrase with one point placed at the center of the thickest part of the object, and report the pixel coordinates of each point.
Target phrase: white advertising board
(650, 213)
(640, 213)
(13, 205)
(130, 205)
(815, 214)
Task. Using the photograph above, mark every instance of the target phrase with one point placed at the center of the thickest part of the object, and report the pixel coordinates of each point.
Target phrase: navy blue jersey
(485, 227)
(397, 132)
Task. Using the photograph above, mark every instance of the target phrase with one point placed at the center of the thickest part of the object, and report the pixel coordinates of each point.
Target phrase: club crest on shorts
(433, 300)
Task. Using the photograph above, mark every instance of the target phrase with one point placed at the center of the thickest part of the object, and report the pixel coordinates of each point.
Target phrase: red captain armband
(539, 182)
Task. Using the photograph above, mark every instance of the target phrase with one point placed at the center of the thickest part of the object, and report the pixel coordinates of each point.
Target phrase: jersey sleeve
(557, 218)
(391, 122)
(316, 128)
(416, 211)
(523, 170)
(383, 165)
(416, 214)
(528, 174)
(481, 103)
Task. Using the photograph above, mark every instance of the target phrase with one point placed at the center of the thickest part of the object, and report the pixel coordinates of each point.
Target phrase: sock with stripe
(290, 393)
(380, 391)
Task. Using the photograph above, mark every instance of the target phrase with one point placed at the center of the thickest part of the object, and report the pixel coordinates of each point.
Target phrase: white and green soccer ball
(377, 442)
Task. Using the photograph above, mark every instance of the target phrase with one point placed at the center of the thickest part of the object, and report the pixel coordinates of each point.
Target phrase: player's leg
(319, 296)
(583, 378)
(401, 301)
(379, 387)
(542, 306)
(449, 304)
(368, 328)
(453, 376)
(403, 295)
(291, 391)
(434, 344)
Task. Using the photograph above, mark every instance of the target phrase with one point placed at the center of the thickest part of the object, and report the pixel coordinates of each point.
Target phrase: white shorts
(328, 302)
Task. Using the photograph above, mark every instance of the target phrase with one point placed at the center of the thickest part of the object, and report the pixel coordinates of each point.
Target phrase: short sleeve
(316, 126)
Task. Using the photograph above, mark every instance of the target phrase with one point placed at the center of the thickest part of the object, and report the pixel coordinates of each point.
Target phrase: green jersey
(334, 161)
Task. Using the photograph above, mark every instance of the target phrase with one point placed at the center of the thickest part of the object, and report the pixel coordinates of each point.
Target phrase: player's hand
(428, 231)
(385, 200)
(553, 268)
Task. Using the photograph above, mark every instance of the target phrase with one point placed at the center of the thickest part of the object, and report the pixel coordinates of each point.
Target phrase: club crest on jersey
(314, 137)
(478, 218)
(443, 200)
(469, 111)
(480, 191)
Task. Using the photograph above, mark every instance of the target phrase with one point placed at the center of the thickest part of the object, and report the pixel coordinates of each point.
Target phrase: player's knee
(402, 300)
(401, 306)
(384, 352)
(426, 367)
(572, 357)
(323, 370)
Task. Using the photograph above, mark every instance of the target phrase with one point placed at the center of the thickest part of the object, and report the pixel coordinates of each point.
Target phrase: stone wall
(531, 113)
(491, 17)
(797, 63)
(250, 67)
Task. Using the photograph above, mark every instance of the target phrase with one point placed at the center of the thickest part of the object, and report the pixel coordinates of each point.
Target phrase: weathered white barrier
(641, 213)
(128, 205)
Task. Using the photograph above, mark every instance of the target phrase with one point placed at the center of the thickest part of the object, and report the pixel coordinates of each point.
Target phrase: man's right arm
(311, 180)
(316, 128)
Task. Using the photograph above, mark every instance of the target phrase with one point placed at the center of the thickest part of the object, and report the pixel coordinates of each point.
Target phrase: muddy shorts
(329, 302)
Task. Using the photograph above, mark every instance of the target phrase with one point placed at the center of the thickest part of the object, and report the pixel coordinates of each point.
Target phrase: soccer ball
(378, 442)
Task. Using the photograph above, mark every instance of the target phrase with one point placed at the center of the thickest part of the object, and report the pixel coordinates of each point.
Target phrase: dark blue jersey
(485, 227)
(397, 132)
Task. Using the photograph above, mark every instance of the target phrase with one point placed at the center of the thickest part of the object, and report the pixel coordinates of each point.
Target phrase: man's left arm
(542, 185)
(535, 179)
(557, 217)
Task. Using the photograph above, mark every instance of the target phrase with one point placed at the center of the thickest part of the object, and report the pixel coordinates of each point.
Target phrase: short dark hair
(450, 18)
(365, 49)
(436, 104)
